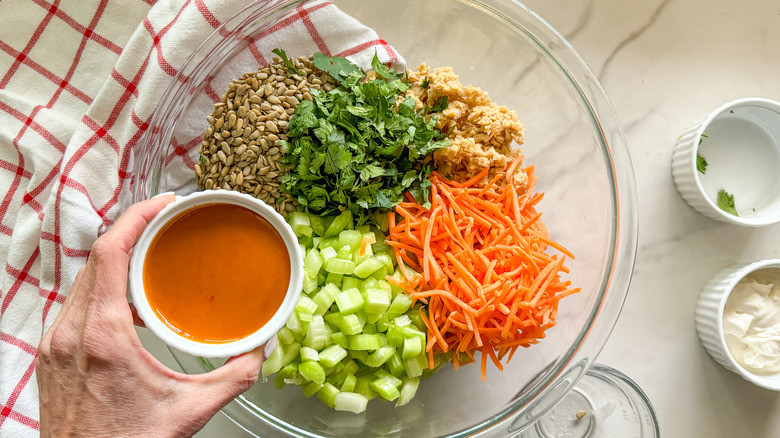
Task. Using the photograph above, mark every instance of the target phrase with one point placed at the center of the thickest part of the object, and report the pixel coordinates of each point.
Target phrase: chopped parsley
(286, 62)
(726, 202)
(359, 147)
(701, 164)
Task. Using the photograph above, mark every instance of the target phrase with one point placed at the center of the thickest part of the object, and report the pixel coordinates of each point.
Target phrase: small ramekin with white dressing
(738, 321)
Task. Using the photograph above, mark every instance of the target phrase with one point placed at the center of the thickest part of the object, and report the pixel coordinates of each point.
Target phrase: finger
(128, 228)
(217, 388)
(110, 256)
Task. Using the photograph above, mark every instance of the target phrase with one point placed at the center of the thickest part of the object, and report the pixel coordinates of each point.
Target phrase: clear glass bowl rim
(567, 371)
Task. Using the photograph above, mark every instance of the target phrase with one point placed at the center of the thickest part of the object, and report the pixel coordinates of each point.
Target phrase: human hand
(96, 379)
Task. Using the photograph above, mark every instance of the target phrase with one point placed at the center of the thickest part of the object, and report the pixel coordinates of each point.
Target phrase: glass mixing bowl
(572, 138)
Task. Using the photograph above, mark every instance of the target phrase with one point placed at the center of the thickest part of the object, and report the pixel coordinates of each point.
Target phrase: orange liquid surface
(217, 273)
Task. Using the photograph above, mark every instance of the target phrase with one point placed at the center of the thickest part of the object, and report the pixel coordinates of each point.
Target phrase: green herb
(726, 202)
(441, 104)
(203, 160)
(357, 147)
(701, 164)
(341, 69)
(286, 62)
(425, 83)
(701, 139)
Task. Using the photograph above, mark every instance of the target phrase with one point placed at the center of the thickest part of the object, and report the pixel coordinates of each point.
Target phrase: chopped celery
(338, 265)
(349, 383)
(279, 381)
(408, 390)
(369, 328)
(415, 366)
(382, 323)
(380, 356)
(368, 267)
(412, 347)
(310, 354)
(309, 283)
(417, 320)
(363, 386)
(285, 336)
(351, 366)
(381, 373)
(377, 301)
(385, 389)
(319, 224)
(369, 235)
(339, 223)
(334, 279)
(380, 274)
(349, 282)
(312, 263)
(350, 238)
(305, 242)
(339, 339)
(402, 321)
(274, 361)
(360, 355)
(344, 252)
(354, 335)
(350, 401)
(300, 223)
(332, 355)
(359, 257)
(311, 388)
(396, 365)
(304, 317)
(367, 342)
(349, 301)
(288, 370)
(328, 394)
(328, 253)
(305, 305)
(394, 336)
(348, 324)
(400, 305)
(325, 298)
(312, 371)
(318, 335)
(386, 260)
(290, 352)
(369, 283)
(329, 242)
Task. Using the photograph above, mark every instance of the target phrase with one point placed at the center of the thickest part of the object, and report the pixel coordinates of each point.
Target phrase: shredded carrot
(481, 260)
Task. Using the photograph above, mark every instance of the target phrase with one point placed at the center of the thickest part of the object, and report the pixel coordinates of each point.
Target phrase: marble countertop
(665, 64)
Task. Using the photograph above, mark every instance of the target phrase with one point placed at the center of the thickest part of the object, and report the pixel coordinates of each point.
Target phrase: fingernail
(164, 194)
(269, 347)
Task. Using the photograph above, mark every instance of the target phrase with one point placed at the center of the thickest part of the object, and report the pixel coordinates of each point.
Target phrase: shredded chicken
(482, 133)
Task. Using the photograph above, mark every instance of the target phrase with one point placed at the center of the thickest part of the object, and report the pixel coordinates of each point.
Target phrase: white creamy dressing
(751, 325)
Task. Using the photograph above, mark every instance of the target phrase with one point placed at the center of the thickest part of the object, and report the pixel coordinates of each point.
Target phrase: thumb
(217, 388)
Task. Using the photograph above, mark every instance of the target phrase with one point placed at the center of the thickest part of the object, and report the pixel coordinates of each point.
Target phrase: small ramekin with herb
(725, 166)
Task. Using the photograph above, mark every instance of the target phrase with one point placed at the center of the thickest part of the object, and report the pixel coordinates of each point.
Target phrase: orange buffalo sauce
(216, 273)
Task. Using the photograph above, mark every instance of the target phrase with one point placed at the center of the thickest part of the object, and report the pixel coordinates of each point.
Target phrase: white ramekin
(709, 319)
(256, 339)
(762, 117)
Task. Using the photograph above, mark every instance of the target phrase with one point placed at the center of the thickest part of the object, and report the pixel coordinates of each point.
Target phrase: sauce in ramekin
(216, 273)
